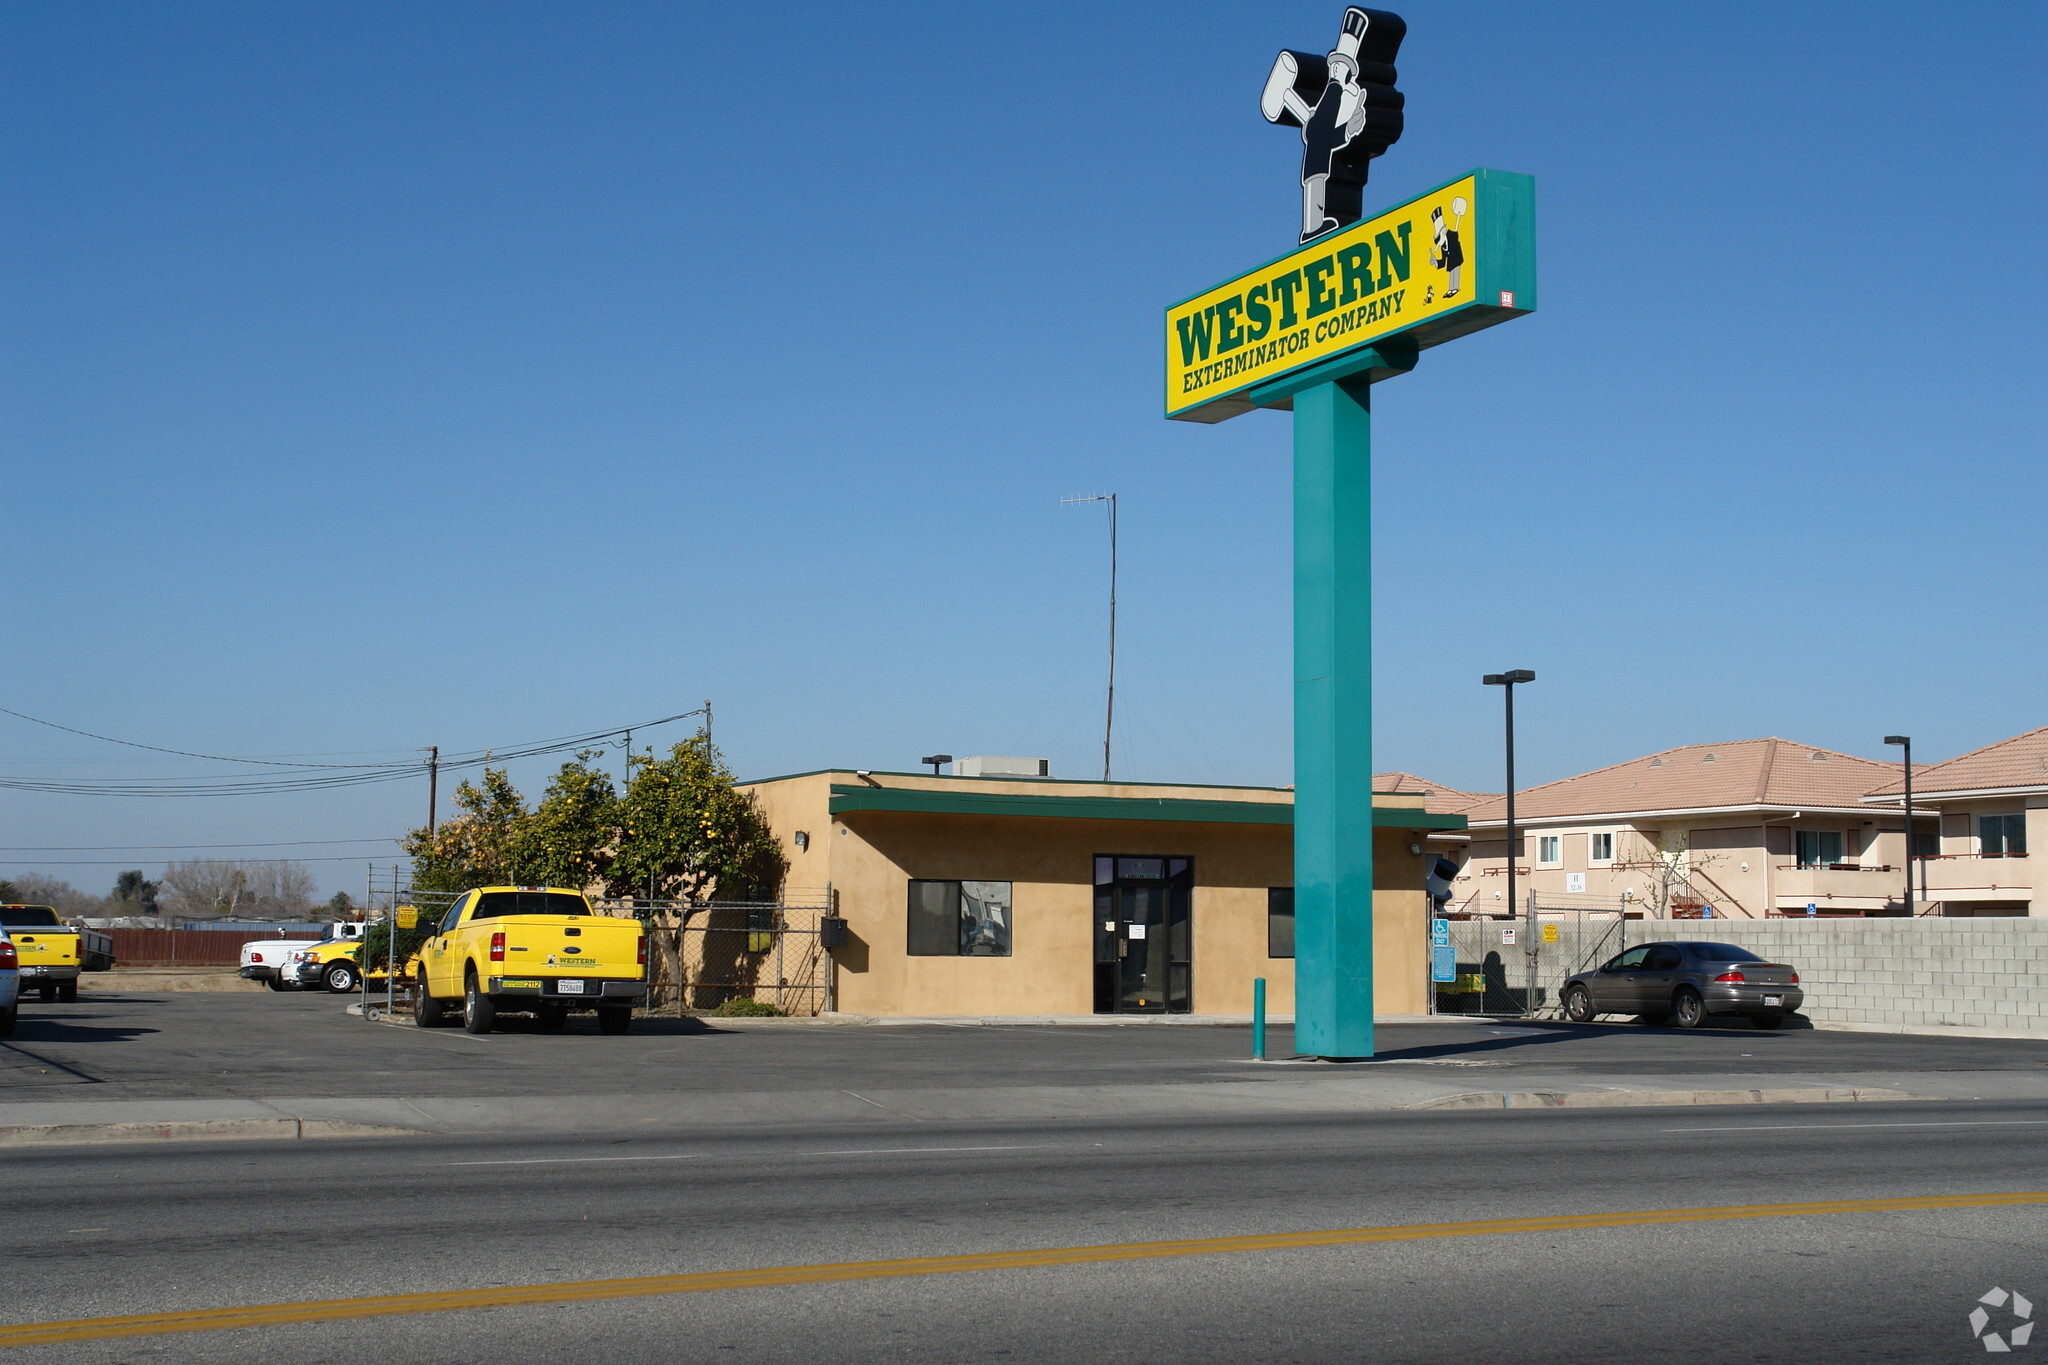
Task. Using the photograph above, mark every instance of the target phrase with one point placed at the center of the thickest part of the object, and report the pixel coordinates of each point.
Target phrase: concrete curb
(120, 981)
(192, 1130)
(1646, 1099)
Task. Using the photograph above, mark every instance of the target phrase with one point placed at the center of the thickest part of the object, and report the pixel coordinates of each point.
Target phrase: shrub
(745, 1007)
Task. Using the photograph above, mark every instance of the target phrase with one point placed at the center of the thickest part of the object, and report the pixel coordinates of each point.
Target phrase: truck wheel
(339, 978)
(614, 1019)
(7, 1018)
(67, 991)
(478, 1014)
(427, 1012)
(273, 983)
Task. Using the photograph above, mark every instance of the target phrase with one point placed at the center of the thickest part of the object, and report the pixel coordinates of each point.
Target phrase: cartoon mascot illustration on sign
(1347, 109)
(1447, 248)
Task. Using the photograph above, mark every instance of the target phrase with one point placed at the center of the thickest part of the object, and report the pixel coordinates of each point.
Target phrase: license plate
(569, 987)
(1774, 1000)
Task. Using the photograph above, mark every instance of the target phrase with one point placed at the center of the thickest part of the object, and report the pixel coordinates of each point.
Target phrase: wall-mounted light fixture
(803, 841)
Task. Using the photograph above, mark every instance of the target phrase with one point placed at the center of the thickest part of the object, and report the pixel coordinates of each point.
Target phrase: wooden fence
(189, 947)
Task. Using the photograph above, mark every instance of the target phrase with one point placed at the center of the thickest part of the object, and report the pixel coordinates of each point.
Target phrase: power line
(348, 775)
(125, 862)
(177, 848)
(182, 753)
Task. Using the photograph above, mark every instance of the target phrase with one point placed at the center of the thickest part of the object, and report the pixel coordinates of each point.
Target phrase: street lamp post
(1506, 683)
(1906, 742)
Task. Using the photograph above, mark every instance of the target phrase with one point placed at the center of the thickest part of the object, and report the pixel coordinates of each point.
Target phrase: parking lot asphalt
(191, 1046)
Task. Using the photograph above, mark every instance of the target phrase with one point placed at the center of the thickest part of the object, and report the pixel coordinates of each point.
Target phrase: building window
(1602, 848)
(958, 919)
(1926, 844)
(1548, 848)
(2002, 836)
(1819, 847)
(1279, 921)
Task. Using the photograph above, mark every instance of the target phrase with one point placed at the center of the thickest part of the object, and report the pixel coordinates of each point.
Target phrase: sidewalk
(1300, 1088)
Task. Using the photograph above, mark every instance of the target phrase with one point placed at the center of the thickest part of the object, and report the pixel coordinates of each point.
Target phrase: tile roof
(1746, 772)
(1439, 799)
(2021, 761)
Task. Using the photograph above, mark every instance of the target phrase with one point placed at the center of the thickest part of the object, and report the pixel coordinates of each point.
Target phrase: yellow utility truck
(52, 952)
(535, 950)
(337, 966)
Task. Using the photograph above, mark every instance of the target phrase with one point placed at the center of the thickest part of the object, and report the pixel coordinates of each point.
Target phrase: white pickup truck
(263, 959)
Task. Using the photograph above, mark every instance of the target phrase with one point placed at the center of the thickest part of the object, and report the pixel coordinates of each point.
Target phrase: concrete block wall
(1954, 973)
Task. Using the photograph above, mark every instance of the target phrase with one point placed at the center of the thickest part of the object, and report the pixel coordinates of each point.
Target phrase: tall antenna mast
(1109, 703)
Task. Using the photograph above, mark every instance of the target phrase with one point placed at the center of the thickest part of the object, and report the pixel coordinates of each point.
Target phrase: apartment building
(1992, 805)
(1748, 829)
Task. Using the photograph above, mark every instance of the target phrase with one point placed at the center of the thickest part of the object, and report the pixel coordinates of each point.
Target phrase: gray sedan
(1685, 983)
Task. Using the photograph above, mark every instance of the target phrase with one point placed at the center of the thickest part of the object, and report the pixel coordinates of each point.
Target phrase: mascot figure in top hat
(1347, 109)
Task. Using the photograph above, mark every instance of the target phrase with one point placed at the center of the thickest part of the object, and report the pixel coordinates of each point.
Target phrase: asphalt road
(119, 1046)
(110, 1231)
(97, 1232)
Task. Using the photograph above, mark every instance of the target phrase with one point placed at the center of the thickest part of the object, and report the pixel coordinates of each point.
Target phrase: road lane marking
(650, 1286)
(1942, 1123)
(894, 1151)
(697, 1156)
(575, 1160)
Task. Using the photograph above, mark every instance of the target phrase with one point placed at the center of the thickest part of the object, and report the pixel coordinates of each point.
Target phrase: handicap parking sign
(1443, 962)
(1440, 933)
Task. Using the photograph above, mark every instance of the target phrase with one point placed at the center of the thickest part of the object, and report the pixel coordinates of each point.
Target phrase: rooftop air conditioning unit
(984, 766)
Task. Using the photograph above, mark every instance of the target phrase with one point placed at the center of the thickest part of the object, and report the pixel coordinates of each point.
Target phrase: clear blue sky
(384, 375)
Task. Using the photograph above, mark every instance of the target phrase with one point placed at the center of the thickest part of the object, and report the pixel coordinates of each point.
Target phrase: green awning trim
(849, 799)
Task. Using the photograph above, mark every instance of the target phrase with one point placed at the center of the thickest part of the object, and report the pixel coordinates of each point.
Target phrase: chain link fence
(701, 955)
(1517, 967)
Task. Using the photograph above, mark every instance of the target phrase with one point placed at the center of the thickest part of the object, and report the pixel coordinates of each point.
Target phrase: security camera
(863, 772)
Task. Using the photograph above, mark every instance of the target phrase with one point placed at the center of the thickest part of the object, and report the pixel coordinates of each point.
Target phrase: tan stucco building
(973, 896)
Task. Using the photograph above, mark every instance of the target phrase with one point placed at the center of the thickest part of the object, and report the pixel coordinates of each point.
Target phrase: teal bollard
(1259, 1019)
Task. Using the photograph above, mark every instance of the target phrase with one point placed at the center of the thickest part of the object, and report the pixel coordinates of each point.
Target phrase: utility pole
(433, 785)
(1109, 704)
(707, 722)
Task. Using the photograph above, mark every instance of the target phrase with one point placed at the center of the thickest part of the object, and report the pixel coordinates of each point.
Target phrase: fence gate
(1518, 966)
(707, 954)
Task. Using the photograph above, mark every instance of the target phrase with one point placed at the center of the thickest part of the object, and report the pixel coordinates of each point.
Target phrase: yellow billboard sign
(408, 916)
(1446, 263)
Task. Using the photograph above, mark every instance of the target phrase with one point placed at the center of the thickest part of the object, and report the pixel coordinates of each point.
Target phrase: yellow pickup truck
(52, 952)
(535, 950)
(337, 965)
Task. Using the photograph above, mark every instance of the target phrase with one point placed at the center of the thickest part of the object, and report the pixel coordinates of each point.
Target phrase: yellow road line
(585, 1291)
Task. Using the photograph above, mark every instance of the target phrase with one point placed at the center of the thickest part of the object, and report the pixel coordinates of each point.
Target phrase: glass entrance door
(1143, 962)
(1141, 939)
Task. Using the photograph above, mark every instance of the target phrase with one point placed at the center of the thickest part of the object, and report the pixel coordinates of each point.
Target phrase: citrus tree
(688, 834)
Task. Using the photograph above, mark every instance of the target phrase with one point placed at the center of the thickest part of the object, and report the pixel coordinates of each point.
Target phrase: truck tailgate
(43, 947)
(573, 945)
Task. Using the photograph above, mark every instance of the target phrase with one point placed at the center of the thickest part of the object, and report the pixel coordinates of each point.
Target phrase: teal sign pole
(1333, 719)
